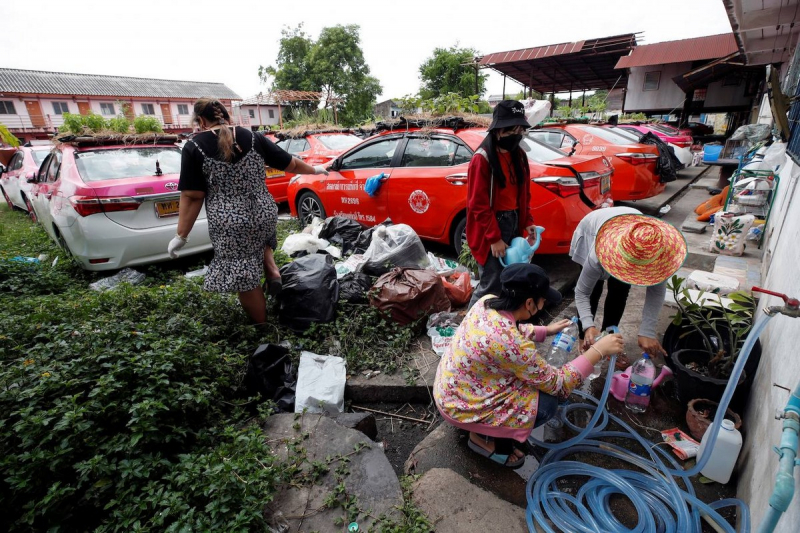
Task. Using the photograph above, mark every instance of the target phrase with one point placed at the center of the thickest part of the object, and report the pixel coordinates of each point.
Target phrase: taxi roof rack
(107, 139)
(453, 122)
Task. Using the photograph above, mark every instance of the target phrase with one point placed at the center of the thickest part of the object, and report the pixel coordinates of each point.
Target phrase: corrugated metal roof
(40, 82)
(696, 49)
(259, 99)
(532, 53)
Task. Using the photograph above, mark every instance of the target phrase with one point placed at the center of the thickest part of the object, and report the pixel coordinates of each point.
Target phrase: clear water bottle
(598, 367)
(638, 397)
(562, 345)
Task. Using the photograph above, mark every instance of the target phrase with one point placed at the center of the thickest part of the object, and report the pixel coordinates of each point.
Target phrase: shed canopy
(582, 65)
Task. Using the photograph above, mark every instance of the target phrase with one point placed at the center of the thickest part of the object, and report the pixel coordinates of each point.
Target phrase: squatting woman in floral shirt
(493, 382)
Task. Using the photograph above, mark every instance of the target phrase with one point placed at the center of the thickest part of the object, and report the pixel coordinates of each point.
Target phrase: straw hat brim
(665, 265)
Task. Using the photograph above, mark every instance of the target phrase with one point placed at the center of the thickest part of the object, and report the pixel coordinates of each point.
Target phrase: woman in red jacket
(498, 194)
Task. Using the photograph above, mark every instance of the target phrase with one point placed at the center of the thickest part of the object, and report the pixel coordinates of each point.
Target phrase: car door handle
(457, 179)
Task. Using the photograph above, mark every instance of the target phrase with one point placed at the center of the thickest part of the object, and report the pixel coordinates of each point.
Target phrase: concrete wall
(668, 94)
(780, 362)
(264, 119)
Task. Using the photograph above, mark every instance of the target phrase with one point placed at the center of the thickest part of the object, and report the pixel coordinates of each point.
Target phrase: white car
(14, 182)
(114, 206)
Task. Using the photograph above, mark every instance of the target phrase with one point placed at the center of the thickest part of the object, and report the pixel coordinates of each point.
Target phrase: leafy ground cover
(124, 410)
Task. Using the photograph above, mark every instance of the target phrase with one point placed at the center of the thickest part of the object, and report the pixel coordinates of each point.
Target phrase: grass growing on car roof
(124, 410)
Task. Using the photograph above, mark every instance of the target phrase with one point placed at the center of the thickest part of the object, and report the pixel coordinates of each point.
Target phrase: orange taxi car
(424, 184)
(634, 164)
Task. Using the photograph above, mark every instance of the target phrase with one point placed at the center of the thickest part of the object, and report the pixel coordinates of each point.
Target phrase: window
(147, 109)
(551, 138)
(376, 155)
(271, 113)
(54, 167)
(538, 151)
(183, 109)
(651, 80)
(337, 141)
(107, 109)
(38, 156)
(40, 175)
(7, 108)
(283, 144)
(609, 135)
(251, 113)
(427, 152)
(97, 165)
(59, 108)
(298, 145)
(16, 161)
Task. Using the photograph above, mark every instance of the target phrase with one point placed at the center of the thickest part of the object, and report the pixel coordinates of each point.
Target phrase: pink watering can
(620, 381)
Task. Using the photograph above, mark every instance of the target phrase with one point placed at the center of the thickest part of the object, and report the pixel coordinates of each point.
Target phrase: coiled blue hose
(661, 504)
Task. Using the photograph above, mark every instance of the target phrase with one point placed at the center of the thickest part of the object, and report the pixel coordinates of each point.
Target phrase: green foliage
(466, 258)
(632, 117)
(120, 124)
(72, 123)
(147, 124)
(722, 328)
(451, 103)
(94, 122)
(7, 137)
(445, 72)
(333, 64)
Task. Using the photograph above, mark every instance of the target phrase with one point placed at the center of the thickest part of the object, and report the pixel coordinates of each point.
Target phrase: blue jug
(521, 250)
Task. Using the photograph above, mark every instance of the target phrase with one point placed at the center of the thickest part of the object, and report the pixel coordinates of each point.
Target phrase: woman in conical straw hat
(620, 247)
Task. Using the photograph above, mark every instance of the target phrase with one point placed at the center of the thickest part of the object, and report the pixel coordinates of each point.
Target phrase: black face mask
(509, 142)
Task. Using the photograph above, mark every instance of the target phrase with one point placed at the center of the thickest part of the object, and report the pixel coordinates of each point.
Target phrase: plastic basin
(711, 152)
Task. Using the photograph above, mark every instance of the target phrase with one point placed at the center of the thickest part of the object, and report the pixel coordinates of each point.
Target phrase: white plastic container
(725, 453)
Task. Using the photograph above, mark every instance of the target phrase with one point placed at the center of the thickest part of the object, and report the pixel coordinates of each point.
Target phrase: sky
(227, 41)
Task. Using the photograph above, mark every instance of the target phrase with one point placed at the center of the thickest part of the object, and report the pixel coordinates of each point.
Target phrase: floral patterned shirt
(491, 373)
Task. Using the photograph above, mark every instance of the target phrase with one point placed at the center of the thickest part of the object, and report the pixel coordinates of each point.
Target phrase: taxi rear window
(98, 165)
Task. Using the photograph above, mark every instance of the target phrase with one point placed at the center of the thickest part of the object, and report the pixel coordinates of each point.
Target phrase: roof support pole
(570, 95)
(687, 105)
(583, 99)
(504, 86)
(476, 80)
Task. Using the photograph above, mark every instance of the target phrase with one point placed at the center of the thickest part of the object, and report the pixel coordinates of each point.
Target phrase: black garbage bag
(353, 287)
(310, 291)
(365, 237)
(668, 164)
(270, 373)
(342, 232)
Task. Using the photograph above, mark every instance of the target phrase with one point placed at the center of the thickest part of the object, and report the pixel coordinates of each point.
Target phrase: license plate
(167, 209)
(605, 184)
(275, 173)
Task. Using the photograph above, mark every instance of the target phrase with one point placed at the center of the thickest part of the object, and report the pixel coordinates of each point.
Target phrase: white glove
(176, 244)
(319, 169)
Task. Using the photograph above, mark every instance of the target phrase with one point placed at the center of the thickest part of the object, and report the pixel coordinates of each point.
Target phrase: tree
(445, 72)
(333, 64)
(337, 68)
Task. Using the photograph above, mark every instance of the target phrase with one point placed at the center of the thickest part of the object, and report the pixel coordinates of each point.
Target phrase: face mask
(509, 142)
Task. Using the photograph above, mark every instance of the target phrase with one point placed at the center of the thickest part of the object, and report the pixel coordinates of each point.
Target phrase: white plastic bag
(126, 275)
(441, 328)
(394, 246)
(303, 242)
(320, 384)
(349, 265)
(443, 267)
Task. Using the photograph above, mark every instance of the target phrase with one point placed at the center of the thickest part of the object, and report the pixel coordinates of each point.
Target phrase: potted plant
(704, 342)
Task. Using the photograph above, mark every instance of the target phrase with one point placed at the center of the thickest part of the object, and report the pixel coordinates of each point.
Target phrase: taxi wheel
(29, 206)
(61, 241)
(459, 235)
(309, 206)
(8, 200)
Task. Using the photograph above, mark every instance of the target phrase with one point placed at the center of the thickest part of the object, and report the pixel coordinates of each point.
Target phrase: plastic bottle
(638, 397)
(562, 345)
(598, 367)
(723, 457)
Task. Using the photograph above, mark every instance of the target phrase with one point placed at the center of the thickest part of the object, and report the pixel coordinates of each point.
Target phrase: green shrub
(72, 123)
(147, 124)
(95, 122)
(120, 124)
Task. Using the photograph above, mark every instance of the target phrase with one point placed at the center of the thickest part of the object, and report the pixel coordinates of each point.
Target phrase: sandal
(499, 458)
(273, 286)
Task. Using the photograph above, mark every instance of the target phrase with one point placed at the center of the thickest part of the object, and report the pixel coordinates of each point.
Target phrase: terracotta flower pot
(700, 414)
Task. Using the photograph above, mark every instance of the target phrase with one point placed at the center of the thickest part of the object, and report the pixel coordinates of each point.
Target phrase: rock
(454, 505)
(445, 448)
(363, 422)
(370, 477)
(692, 225)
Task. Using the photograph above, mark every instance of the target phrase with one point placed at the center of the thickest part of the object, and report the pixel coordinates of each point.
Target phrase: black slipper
(503, 459)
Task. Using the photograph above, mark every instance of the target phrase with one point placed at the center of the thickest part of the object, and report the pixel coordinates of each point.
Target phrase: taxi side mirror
(31, 178)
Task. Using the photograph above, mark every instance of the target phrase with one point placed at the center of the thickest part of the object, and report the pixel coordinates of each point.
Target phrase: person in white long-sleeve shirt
(620, 247)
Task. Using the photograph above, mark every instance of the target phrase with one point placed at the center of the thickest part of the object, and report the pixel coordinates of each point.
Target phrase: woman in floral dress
(493, 382)
(223, 166)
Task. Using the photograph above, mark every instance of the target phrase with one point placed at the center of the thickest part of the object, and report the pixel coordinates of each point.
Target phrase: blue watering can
(521, 250)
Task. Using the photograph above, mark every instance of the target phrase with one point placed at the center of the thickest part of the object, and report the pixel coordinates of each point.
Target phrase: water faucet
(791, 309)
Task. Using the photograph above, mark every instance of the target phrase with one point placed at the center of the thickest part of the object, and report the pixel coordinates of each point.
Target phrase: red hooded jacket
(482, 227)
